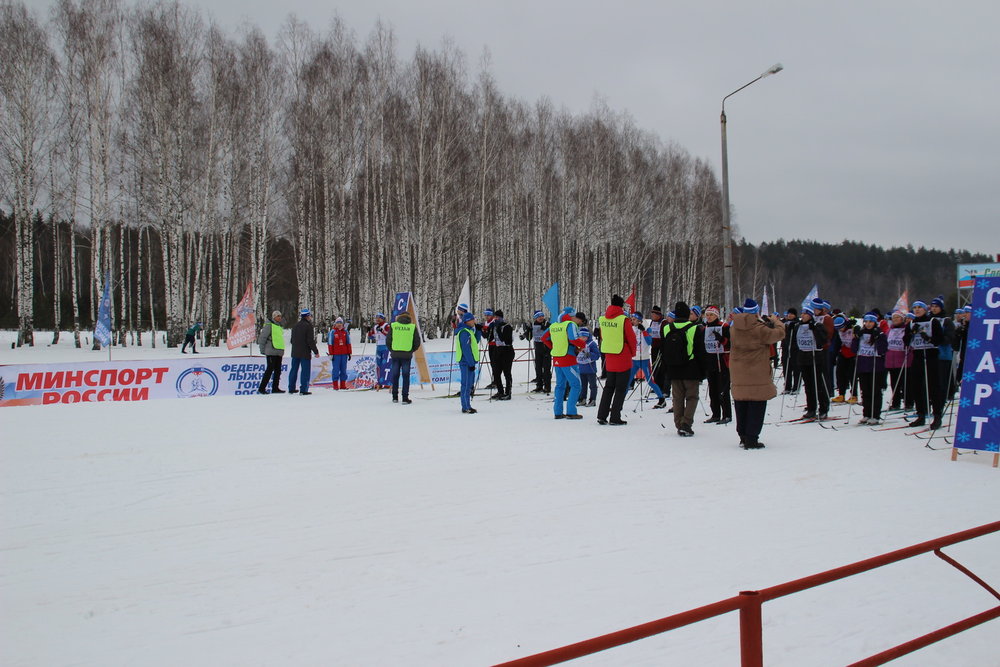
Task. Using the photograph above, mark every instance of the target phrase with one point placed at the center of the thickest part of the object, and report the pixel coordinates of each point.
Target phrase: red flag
(244, 321)
(630, 301)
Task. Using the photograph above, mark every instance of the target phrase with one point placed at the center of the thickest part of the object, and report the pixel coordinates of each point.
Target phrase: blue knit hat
(304, 312)
(870, 317)
(488, 311)
(382, 315)
(737, 310)
(919, 304)
(839, 321)
(637, 315)
(671, 315)
(569, 310)
(751, 306)
(938, 301)
(808, 309)
(468, 317)
(463, 306)
(817, 303)
(911, 315)
(696, 310)
(537, 314)
(968, 309)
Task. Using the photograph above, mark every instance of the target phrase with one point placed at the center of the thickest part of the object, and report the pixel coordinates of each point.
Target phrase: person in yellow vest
(402, 340)
(271, 342)
(618, 347)
(467, 338)
(563, 338)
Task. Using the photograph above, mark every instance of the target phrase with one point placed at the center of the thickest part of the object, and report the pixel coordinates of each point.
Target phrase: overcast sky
(883, 126)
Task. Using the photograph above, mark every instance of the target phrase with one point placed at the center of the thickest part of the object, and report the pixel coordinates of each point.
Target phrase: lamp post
(727, 233)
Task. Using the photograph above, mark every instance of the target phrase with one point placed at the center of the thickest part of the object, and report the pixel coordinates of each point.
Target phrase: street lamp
(727, 233)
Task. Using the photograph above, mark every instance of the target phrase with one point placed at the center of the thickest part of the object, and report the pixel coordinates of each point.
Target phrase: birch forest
(182, 161)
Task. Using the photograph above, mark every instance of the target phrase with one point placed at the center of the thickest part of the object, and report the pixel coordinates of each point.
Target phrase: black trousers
(846, 376)
(718, 388)
(750, 419)
(273, 370)
(928, 398)
(872, 388)
(502, 361)
(815, 383)
(543, 368)
(188, 340)
(613, 396)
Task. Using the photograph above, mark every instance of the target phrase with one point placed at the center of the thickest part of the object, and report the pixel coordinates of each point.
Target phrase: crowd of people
(833, 358)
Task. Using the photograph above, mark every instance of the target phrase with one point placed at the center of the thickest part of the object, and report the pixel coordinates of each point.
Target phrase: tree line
(150, 146)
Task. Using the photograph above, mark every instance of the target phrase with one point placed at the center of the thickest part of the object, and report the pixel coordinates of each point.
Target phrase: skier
(402, 340)
(338, 343)
(843, 338)
(788, 362)
(926, 335)
(656, 324)
(379, 332)
(303, 343)
(271, 342)
(717, 345)
(586, 363)
(543, 359)
(898, 359)
(618, 346)
(563, 339)
(946, 351)
(808, 340)
(467, 338)
(640, 360)
(189, 338)
(870, 344)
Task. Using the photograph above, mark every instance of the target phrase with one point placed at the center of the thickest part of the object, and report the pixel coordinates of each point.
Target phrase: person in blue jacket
(586, 362)
(467, 338)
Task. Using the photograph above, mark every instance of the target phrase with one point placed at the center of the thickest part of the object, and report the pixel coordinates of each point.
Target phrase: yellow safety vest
(277, 337)
(612, 334)
(472, 343)
(402, 336)
(559, 335)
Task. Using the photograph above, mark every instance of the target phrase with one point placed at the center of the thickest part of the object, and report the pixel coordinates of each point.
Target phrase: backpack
(674, 345)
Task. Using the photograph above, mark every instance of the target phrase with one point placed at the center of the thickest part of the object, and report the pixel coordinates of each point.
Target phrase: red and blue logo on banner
(978, 425)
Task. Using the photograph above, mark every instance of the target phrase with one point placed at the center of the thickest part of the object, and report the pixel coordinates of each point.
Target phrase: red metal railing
(749, 604)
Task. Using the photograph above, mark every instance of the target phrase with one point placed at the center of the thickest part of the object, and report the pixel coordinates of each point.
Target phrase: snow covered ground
(339, 529)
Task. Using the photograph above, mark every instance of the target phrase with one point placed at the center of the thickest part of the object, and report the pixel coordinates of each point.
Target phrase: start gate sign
(978, 425)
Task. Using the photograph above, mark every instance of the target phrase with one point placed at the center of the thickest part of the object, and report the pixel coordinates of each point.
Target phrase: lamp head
(777, 67)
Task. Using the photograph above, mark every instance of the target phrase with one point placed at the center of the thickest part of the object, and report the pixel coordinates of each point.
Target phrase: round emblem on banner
(197, 381)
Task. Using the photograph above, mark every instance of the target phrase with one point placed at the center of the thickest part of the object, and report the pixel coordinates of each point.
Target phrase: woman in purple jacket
(870, 346)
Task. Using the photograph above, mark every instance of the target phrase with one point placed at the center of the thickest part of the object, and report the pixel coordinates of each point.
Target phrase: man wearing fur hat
(683, 353)
(751, 338)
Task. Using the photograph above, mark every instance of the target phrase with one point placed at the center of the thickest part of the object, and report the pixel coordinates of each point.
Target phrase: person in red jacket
(564, 341)
(618, 346)
(338, 344)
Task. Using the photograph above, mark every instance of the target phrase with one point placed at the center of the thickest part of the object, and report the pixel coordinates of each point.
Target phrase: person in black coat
(303, 343)
(808, 339)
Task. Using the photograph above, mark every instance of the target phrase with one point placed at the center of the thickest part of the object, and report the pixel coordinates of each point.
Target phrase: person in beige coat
(751, 338)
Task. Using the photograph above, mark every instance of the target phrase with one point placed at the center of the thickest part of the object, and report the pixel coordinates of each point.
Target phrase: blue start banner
(978, 425)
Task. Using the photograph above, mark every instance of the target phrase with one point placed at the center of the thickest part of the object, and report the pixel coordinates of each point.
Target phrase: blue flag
(102, 332)
(551, 301)
(813, 294)
(978, 423)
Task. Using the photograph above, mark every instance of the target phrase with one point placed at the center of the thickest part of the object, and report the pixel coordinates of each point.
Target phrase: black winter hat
(681, 311)
(656, 309)
(498, 313)
(616, 300)
(582, 317)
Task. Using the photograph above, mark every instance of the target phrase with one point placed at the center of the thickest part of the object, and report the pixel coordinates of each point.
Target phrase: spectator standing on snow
(303, 344)
(338, 344)
(683, 352)
(189, 338)
(586, 362)
(402, 341)
(502, 356)
(543, 359)
(467, 338)
(618, 346)
(271, 342)
(380, 333)
(750, 339)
